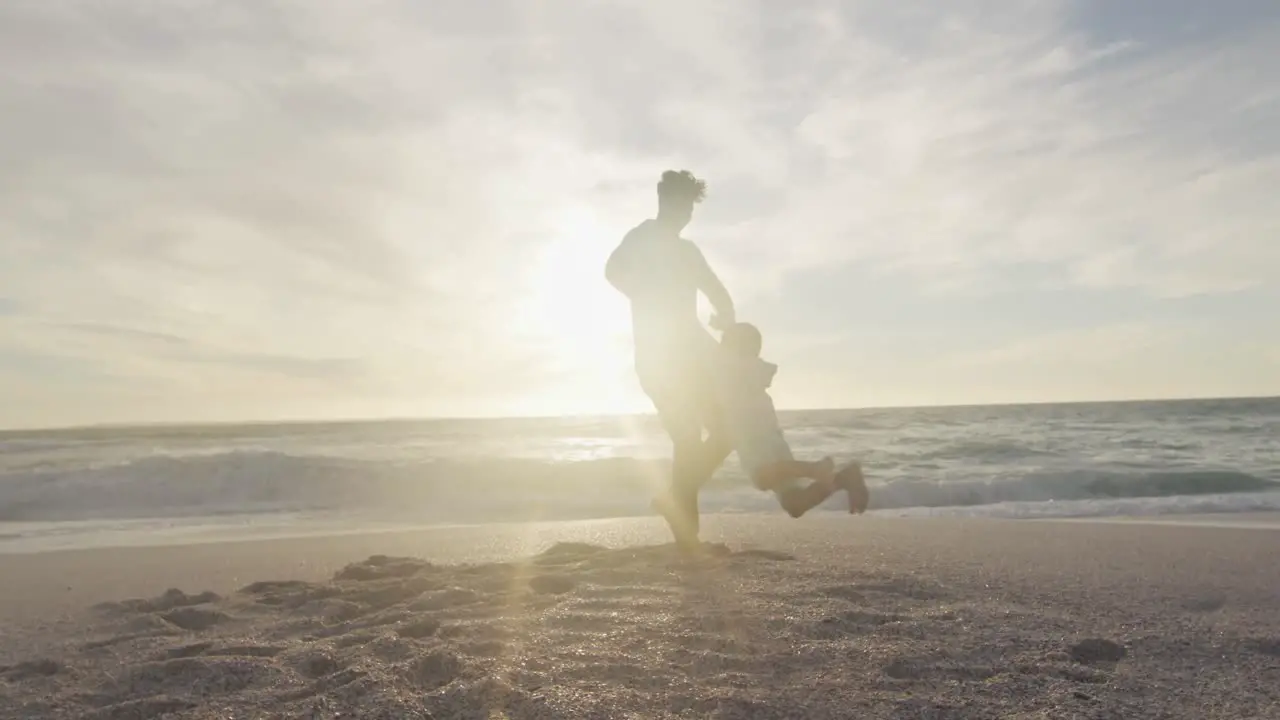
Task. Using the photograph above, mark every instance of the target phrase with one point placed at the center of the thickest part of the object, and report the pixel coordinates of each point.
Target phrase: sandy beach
(827, 617)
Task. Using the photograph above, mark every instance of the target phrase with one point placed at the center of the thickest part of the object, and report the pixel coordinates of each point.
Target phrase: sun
(574, 316)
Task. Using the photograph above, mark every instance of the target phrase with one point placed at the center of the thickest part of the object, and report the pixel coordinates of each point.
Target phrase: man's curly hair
(681, 185)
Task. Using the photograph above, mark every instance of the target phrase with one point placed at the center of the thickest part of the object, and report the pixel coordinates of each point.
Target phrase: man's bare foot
(850, 480)
(682, 528)
(826, 474)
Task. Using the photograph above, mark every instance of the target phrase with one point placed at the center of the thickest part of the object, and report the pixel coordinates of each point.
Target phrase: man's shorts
(680, 387)
(684, 402)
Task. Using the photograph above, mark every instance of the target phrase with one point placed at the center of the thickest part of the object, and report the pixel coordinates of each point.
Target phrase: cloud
(974, 149)
(403, 206)
(1121, 360)
(1082, 349)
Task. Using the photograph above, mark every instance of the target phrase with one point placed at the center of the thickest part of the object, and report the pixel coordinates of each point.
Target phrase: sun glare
(581, 321)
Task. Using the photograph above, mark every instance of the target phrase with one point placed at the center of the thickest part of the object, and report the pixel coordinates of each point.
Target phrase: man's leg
(693, 464)
(716, 448)
(700, 461)
(711, 455)
(685, 400)
(678, 502)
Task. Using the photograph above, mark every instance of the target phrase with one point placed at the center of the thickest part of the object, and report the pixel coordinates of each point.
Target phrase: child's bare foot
(826, 474)
(850, 480)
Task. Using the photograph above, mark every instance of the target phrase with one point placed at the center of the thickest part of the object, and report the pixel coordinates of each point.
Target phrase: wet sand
(823, 617)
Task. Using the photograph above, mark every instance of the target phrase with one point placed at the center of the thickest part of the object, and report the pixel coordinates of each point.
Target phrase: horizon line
(370, 420)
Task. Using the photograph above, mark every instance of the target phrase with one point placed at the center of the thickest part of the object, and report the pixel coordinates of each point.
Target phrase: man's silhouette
(662, 274)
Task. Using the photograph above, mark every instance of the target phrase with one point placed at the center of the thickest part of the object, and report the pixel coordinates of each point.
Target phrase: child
(742, 382)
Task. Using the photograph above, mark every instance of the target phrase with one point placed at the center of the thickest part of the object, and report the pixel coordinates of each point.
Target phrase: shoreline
(1241, 520)
(59, 582)
(178, 532)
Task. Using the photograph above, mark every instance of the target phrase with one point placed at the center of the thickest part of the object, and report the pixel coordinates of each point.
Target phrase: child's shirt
(750, 420)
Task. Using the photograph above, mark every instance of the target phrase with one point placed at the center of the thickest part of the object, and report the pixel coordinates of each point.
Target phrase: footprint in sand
(94, 646)
(337, 611)
(382, 567)
(32, 669)
(144, 709)
(1091, 651)
(346, 626)
(484, 649)
(433, 670)
(355, 681)
(479, 631)
(260, 651)
(627, 594)
(568, 552)
(935, 710)
(587, 622)
(314, 664)
(390, 648)
(1206, 604)
(263, 587)
(202, 677)
(186, 651)
(352, 640)
(170, 599)
(552, 584)
(291, 594)
(914, 669)
(489, 697)
(444, 599)
(719, 706)
(195, 619)
(763, 555)
(904, 587)
(391, 593)
(419, 629)
(1268, 646)
(856, 622)
(1086, 675)
(849, 593)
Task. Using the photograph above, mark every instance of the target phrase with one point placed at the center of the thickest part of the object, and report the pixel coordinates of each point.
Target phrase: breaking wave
(240, 482)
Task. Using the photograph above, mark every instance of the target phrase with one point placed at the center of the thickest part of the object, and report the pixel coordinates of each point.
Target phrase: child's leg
(800, 499)
(851, 480)
(796, 499)
(782, 473)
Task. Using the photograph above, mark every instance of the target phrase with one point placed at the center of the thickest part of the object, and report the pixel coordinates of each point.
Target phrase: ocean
(130, 486)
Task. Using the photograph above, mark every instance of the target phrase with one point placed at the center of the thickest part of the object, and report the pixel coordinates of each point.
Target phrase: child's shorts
(761, 451)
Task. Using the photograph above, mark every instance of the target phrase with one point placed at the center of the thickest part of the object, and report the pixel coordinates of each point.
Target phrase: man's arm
(714, 290)
(616, 268)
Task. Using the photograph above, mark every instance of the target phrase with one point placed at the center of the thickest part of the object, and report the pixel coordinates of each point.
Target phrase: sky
(305, 209)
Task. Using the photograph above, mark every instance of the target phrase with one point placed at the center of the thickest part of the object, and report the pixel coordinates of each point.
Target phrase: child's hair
(743, 338)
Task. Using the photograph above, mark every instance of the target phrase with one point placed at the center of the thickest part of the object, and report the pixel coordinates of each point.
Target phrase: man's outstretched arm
(714, 291)
(616, 269)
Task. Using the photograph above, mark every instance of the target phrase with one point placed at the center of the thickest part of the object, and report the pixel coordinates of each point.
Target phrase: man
(662, 274)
